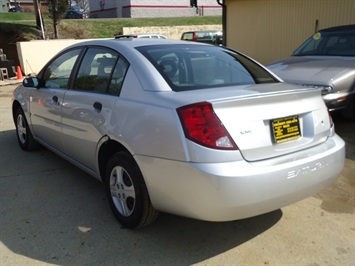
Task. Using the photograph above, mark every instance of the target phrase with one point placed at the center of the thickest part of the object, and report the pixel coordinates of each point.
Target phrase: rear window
(190, 67)
(188, 36)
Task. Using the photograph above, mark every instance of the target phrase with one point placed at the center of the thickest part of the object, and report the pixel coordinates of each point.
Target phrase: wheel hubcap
(122, 191)
(21, 129)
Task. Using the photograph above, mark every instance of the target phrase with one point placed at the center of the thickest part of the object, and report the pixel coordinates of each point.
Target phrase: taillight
(201, 125)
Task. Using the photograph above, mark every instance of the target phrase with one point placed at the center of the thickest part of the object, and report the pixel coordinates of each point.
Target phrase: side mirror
(219, 40)
(30, 82)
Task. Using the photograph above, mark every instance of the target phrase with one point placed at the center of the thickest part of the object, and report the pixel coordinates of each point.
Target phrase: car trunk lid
(270, 120)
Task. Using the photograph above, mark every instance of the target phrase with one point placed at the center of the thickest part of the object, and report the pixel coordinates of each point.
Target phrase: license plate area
(286, 129)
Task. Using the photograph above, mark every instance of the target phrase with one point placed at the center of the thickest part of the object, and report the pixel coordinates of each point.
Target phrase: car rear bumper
(237, 190)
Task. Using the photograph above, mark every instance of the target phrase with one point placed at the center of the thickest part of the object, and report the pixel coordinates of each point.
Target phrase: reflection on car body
(191, 129)
(325, 61)
(140, 36)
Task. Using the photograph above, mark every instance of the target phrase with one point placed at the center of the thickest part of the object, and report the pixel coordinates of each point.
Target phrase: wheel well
(15, 106)
(107, 149)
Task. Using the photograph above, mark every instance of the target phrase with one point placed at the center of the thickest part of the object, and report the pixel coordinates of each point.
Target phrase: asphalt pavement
(52, 213)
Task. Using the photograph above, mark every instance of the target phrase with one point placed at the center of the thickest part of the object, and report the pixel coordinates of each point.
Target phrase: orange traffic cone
(19, 73)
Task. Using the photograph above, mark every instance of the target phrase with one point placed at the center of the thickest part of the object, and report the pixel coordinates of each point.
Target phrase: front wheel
(127, 193)
(24, 135)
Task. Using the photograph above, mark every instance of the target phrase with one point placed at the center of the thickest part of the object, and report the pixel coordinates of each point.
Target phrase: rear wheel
(24, 135)
(127, 193)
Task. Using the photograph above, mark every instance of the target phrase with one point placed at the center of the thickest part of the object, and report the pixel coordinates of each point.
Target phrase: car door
(46, 101)
(88, 106)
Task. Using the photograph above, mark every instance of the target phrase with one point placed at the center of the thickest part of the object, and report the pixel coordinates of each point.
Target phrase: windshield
(190, 67)
(328, 44)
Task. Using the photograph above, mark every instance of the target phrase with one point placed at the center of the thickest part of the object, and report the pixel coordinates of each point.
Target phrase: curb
(10, 81)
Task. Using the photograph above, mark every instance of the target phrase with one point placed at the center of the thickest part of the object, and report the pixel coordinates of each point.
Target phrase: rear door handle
(56, 100)
(97, 107)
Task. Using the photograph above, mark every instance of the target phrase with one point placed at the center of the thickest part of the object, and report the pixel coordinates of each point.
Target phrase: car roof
(122, 36)
(129, 43)
(125, 36)
(343, 28)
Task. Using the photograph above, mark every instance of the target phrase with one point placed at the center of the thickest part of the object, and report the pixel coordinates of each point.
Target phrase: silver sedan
(190, 129)
(326, 61)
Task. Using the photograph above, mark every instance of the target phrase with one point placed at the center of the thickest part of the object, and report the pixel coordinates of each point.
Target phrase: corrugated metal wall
(268, 30)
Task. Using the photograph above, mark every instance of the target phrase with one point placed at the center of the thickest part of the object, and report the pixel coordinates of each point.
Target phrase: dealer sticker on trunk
(286, 129)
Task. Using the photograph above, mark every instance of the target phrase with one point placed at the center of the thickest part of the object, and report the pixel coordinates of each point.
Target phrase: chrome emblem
(306, 169)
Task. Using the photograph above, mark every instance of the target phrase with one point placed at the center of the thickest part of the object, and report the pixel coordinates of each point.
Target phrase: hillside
(16, 27)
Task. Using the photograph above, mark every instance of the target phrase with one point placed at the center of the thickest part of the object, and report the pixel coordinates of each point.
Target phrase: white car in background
(140, 36)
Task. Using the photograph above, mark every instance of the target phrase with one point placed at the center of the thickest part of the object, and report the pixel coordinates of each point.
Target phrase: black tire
(23, 132)
(127, 193)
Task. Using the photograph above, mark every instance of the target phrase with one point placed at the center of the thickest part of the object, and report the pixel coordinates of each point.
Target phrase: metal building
(153, 8)
(268, 30)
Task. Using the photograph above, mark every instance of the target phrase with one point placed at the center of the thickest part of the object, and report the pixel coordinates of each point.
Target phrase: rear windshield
(190, 67)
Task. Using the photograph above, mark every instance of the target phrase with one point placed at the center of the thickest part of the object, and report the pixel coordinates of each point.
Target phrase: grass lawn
(23, 25)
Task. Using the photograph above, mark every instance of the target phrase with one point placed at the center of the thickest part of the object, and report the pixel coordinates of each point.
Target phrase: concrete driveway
(52, 213)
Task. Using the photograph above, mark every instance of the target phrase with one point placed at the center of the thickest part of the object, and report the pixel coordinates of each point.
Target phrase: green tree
(57, 9)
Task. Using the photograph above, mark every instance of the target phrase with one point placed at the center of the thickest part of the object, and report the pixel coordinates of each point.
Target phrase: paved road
(53, 213)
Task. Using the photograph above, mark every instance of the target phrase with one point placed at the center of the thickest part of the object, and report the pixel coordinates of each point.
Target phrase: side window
(118, 76)
(188, 36)
(96, 70)
(57, 74)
